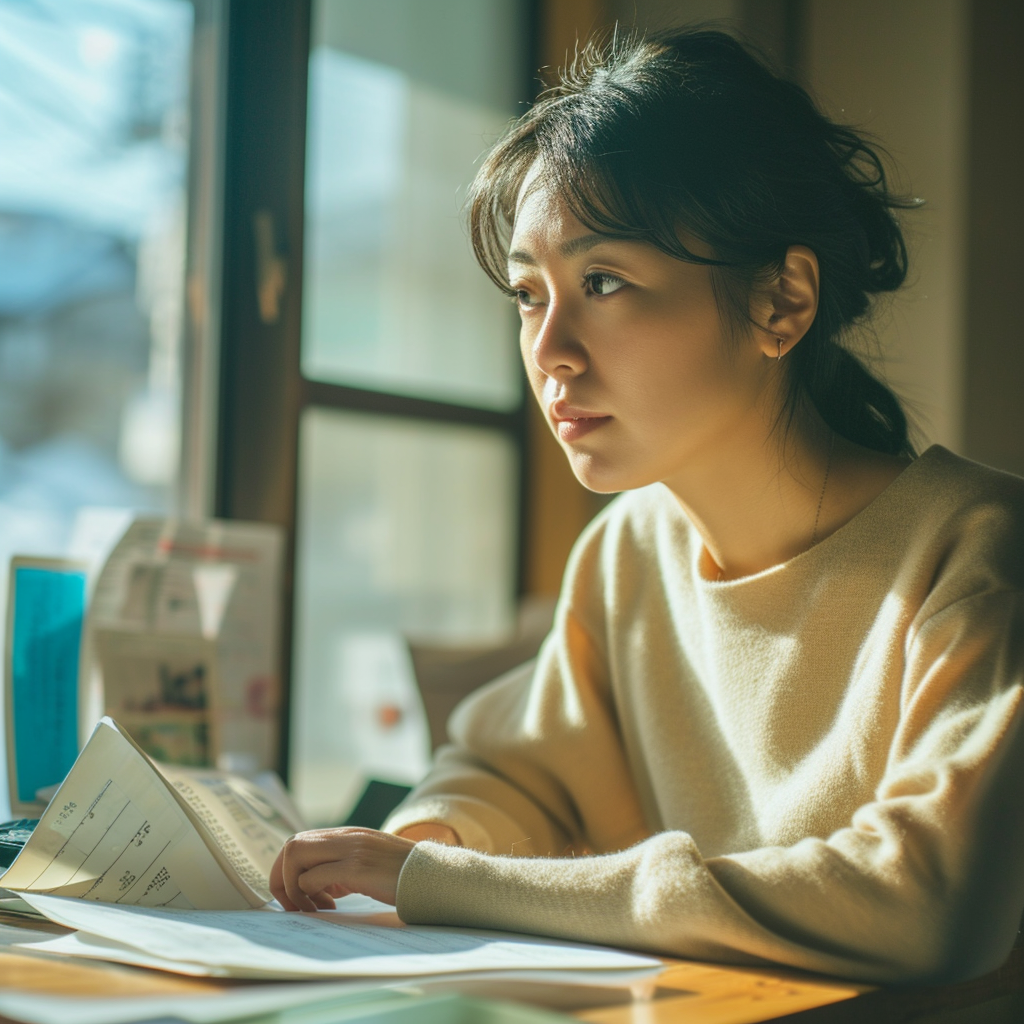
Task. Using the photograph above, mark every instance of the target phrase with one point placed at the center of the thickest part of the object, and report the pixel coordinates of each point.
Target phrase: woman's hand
(316, 867)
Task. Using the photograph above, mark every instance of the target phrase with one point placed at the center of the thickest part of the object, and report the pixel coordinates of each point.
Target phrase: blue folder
(45, 615)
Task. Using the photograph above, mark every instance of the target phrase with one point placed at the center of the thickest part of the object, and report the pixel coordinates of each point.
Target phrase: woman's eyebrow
(521, 256)
(569, 248)
(581, 244)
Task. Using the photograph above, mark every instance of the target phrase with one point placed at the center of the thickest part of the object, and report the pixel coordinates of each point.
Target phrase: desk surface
(692, 992)
(696, 993)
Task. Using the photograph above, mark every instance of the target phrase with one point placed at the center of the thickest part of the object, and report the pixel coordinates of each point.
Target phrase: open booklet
(124, 829)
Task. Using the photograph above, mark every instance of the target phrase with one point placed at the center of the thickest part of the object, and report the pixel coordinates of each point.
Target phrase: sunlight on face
(626, 350)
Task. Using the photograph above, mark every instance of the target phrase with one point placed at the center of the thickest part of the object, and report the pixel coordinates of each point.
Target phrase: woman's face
(627, 353)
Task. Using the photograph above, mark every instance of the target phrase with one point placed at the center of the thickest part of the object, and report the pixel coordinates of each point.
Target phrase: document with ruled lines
(272, 944)
(122, 829)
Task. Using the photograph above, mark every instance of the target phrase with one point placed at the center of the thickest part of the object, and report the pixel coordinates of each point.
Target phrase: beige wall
(900, 70)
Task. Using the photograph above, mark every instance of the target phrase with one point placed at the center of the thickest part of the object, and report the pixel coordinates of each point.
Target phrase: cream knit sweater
(821, 765)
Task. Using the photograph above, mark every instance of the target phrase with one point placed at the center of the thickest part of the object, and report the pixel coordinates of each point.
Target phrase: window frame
(262, 393)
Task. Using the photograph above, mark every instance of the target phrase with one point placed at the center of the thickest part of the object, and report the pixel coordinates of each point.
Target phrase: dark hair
(689, 132)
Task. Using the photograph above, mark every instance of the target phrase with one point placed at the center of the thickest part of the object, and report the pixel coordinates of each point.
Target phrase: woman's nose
(556, 349)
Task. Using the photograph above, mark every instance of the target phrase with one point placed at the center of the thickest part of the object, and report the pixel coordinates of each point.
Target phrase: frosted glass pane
(393, 300)
(405, 529)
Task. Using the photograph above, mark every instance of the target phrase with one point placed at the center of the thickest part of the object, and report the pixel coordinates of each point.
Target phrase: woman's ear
(790, 302)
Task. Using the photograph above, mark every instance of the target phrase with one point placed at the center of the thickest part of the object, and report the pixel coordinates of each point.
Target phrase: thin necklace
(821, 500)
(824, 484)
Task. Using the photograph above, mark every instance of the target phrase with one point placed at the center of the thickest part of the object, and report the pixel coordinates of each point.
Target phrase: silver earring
(779, 356)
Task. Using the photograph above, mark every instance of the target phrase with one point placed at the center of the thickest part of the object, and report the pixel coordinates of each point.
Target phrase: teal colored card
(45, 617)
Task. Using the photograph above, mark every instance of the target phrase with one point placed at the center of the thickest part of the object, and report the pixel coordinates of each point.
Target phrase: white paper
(182, 636)
(555, 989)
(17, 935)
(247, 823)
(274, 944)
(92, 947)
(162, 690)
(115, 832)
(232, 1005)
(489, 984)
(12, 904)
(565, 990)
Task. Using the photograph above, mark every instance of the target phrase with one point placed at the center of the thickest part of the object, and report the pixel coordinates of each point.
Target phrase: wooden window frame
(262, 392)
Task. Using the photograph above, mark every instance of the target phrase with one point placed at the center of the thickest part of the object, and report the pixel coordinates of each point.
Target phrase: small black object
(13, 836)
(379, 799)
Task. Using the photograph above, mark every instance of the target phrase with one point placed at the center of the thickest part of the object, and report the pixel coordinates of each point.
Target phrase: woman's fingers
(277, 887)
(316, 866)
(292, 861)
(296, 898)
(323, 879)
(322, 900)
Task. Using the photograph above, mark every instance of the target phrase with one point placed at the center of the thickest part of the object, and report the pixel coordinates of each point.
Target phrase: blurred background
(234, 281)
(94, 137)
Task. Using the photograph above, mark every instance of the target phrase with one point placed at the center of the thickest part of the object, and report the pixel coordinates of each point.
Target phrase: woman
(778, 717)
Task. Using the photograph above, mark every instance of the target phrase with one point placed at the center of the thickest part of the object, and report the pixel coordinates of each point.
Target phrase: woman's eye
(523, 299)
(603, 284)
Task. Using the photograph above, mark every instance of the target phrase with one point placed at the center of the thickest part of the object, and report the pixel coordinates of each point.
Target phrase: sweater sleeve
(925, 881)
(536, 767)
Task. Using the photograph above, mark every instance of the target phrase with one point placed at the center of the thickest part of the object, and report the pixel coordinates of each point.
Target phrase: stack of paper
(274, 944)
(382, 969)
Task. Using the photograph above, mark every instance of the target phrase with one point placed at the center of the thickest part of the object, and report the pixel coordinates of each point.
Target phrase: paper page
(270, 785)
(275, 944)
(92, 947)
(115, 832)
(243, 820)
(161, 689)
(183, 634)
(11, 904)
(18, 935)
(234, 1004)
(554, 989)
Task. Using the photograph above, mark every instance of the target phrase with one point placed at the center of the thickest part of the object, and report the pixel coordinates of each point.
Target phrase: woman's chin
(602, 477)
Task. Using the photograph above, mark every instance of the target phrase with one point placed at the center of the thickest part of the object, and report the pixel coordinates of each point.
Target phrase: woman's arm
(528, 749)
(926, 881)
(496, 789)
(536, 766)
(473, 800)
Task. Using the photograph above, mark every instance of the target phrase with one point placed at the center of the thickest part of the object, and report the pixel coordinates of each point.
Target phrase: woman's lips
(572, 428)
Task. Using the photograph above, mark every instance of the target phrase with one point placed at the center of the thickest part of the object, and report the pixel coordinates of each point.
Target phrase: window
(312, 346)
(94, 130)
(373, 403)
(96, 118)
(407, 523)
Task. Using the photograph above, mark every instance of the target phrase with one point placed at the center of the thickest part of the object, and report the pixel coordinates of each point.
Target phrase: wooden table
(694, 993)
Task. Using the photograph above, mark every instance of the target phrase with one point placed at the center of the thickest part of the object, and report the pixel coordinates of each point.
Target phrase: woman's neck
(767, 499)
